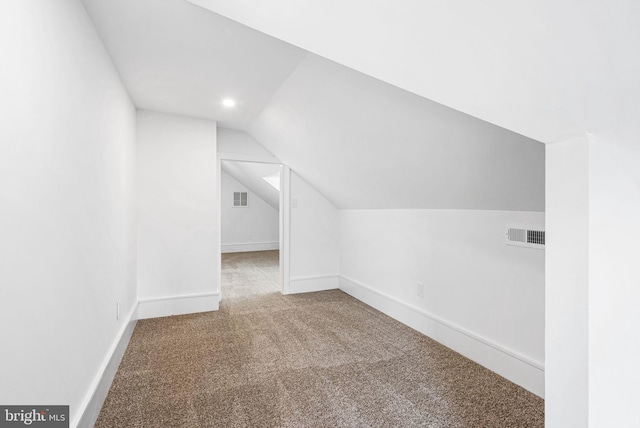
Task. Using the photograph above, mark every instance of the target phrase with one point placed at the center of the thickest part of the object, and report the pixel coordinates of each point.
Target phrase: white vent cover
(240, 199)
(524, 237)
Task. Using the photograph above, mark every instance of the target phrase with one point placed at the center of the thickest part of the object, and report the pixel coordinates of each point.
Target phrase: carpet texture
(311, 360)
(250, 274)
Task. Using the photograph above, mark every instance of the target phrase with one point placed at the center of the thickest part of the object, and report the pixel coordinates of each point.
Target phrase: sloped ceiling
(366, 144)
(546, 69)
(250, 175)
(178, 58)
(232, 142)
(361, 142)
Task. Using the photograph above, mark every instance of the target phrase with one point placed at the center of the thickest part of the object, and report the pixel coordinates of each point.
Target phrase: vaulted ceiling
(367, 144)
(361, 142)
(546, 69)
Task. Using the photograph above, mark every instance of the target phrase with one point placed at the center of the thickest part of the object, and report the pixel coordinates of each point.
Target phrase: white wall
(177, 220)
(251, 228)
(67, 205)
(487, 297)
(313, 239)
(567, 282)
(614, 279)
(593, 199)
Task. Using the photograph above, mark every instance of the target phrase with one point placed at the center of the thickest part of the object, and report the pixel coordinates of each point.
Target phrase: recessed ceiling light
(228, 102)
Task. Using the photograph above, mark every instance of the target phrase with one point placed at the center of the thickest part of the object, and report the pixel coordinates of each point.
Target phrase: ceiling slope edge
(539, 69)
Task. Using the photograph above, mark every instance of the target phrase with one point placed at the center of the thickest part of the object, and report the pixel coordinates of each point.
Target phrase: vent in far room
(240, 199)
(530, 238)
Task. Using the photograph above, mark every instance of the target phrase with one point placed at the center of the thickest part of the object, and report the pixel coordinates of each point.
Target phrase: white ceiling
(366, 144)
(231, 143)
(175, 57)
(359, 141)
(250, 175)
(546, 69)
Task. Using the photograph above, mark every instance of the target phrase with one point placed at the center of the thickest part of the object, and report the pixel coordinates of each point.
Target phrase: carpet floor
(310, 360)
(250, 274)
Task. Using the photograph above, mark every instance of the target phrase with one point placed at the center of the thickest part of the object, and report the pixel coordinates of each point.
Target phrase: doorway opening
(251, 221)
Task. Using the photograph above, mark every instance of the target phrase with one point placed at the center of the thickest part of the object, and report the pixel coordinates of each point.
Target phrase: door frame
(284, 215)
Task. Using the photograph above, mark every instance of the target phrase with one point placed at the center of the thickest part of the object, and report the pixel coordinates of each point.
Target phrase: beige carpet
(250, 274)
(312, 360)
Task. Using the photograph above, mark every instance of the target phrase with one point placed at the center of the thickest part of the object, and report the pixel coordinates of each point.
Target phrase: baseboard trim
(90, 409)
(309, 284)
(165, 306)
(254, 246)
(506, 362)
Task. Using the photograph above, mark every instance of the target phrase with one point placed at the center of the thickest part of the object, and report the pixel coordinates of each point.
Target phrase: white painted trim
(285, 229)
(165, 306)
(218, 260)
(281, 206)
(512, 365)
(254, 246)
(310, 284)
(284, 214)
(97, 393)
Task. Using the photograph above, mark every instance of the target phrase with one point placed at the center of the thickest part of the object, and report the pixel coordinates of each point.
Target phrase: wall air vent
(240, 199)
(523, 237)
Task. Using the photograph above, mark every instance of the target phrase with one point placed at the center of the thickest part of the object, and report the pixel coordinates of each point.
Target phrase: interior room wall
(314, 239)
(482, 298)
(68, 205)
(567, 283)
(592, 271)
(613, 278)
(251, 228)
(177, 216)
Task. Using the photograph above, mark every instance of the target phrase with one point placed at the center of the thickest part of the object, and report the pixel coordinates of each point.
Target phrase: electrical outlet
(118, 311)
(294, 203)
(420, 289)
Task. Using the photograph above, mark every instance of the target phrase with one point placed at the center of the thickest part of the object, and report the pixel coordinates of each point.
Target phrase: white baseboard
(90, 409)
(177, 305)
(312, 283)
(254, 246)
(509, 364)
